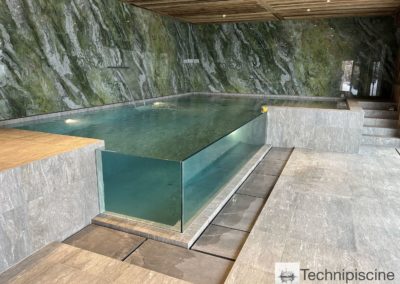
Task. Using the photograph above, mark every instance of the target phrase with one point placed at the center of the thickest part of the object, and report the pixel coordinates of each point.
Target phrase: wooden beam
(268, 7)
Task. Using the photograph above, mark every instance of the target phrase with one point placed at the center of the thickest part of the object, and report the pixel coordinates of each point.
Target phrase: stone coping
(145, 101)
(88, 109)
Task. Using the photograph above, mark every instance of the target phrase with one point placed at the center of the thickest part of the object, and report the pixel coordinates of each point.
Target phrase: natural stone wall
(292, 57)
(68, 54)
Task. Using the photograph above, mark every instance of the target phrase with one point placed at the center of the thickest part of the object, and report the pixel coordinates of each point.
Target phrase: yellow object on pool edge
(264, 109)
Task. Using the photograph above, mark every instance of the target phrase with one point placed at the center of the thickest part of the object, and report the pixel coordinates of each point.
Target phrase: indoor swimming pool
(164, 161)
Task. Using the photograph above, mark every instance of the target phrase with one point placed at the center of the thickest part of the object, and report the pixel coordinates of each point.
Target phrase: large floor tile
(221, 241)
(60, 263)
(240, 213)
(258, 185)
(282, 154)
(181, 263)
(105, 241)
(270, 167)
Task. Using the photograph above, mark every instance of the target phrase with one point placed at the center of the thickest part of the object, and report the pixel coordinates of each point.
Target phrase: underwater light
(71, 121)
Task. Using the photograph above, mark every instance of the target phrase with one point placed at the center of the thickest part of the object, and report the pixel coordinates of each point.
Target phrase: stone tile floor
(328, 210)
(221, 241)
(60, 263)
(105, 241)
(181, 263)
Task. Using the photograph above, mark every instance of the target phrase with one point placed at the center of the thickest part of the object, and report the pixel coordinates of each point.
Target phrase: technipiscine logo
(287, 273)
(291, 273)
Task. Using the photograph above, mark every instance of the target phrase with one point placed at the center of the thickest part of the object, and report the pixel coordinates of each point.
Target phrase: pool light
(71, 121)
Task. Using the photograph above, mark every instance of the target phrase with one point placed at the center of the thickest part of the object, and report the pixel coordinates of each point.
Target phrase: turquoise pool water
(172, 130)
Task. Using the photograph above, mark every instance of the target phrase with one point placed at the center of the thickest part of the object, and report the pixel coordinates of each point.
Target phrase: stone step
(374, 140)
(377, 105)
(385, 114)
(381, 131)
(379, 122)
(62, 263)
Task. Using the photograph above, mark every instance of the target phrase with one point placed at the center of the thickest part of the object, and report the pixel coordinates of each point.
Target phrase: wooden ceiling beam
(268, 7)
(219, 11)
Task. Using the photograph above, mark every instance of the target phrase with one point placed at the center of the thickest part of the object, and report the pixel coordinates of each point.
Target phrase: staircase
(381, 124)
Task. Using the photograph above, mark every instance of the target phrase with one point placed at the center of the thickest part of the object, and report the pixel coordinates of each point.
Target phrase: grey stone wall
(46, 201)
(317, 129)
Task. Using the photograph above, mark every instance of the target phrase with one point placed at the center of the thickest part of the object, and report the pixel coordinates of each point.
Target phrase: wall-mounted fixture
(191, 61)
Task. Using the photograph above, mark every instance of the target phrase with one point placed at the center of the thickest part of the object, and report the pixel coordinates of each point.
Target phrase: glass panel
(207, 171)
(143, 188)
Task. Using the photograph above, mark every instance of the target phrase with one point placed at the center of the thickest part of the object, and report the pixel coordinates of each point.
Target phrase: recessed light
(308, 10)
(223, 16)
(71, 121)
(328, 1)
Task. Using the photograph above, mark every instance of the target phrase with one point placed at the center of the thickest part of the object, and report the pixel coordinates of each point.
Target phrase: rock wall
(62, 55)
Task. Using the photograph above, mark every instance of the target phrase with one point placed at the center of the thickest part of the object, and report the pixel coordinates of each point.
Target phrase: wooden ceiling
(218, 11)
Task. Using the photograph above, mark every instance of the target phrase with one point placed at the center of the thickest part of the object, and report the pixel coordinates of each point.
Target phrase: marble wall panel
(46, 201)
(317, 129)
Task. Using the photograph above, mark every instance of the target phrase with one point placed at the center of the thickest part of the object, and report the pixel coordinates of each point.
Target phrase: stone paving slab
(181, 263)
(277, 153)
(268, 167)
(61, 263)
(221, 241)
(105, 241)
(258, 185)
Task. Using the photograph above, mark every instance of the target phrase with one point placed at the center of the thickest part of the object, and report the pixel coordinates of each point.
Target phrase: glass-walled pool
(169, 192)
(163, 162)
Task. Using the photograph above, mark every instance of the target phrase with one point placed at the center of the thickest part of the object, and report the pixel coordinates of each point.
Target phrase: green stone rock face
(68, 54)
(299, 58)
(61, 55)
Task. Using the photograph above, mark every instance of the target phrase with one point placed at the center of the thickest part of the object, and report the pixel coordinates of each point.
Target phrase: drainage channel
(211, 257)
